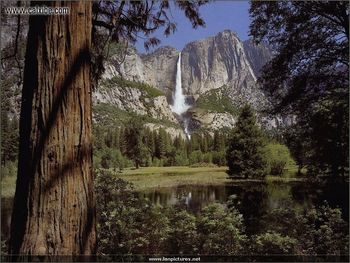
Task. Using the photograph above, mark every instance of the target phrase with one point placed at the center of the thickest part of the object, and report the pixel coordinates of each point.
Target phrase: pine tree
(161, 144)
(135, 148)
(117, 138)
(244, 154)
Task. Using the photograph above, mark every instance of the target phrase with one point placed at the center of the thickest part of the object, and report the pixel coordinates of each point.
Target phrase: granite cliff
(218, 75)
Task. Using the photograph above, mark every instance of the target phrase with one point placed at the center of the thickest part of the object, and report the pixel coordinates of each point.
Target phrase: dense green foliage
(136, 145)
(277, 157)
(9, 169)
(133, 144)
(245, 149)
(9, 137)
(111, 116)
(271, 243)
(308, 77)
(216, 222)
(317, 231)
(129, 224)
(117, 81)
(132, 225)
(217, 100)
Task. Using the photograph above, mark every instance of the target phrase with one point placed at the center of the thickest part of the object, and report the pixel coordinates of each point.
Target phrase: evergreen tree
(195, 142)
(149, 142)
(219, 141)
(135, 148)
(308, 76)
(109, 138)
(9, 138)
(244, 154)
(55, 136)
(117, 138)
(204, 143)
(161, 144)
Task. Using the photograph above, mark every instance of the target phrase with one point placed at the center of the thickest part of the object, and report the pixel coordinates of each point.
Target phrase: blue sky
(218, 16)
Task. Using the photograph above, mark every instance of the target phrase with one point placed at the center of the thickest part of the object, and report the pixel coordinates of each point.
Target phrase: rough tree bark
(54, 211)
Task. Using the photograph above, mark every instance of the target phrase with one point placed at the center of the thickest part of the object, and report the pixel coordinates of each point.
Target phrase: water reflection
(253, 199)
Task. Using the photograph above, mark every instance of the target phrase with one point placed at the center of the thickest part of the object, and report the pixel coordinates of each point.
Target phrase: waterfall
(179, 99)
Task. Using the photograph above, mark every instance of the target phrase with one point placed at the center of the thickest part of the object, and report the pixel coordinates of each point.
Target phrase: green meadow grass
(8, 186)
(153, 177)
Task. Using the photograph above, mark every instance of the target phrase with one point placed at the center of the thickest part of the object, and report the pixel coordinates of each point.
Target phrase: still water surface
(253, 199)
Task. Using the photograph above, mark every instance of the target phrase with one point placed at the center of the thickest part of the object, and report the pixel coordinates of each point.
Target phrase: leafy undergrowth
(131, 225)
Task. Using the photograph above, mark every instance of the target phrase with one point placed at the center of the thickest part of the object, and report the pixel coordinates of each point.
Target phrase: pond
(253, 199)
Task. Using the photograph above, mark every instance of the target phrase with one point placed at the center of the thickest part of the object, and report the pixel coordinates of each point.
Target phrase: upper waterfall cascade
(179, 99)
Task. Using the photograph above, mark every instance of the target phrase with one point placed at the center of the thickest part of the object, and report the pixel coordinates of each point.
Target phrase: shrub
(325, 232)
(207, 158)
(180, 159)
(319, 230)
(183, 237)
(195, 157)
(156, 162)
(273, 243)
(219, 158)
(220, 231)
(127, 224)
(277, 157)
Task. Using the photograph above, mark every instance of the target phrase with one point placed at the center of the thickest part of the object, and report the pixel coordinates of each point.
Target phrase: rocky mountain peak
(162, 51)
(221, 63)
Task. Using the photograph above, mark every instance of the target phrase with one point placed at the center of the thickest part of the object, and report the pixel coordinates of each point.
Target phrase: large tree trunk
(54, 212)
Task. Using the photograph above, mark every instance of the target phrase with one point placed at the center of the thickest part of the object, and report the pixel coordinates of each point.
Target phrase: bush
(157, 162)
(207, 158)
(319, 230)
(277, 157)
(183, 237)
(219, 158)
(325, 232)
(220, 231)
(180, 159)
(127, 224)
(195, 157)
(273, 243)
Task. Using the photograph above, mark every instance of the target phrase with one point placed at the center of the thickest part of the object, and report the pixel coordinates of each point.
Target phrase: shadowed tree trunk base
(54, 210)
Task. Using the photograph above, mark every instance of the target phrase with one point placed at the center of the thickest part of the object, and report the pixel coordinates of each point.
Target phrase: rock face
(134, 100)
(258, 55)
(213, 62)
(160, 68)
(207, 65)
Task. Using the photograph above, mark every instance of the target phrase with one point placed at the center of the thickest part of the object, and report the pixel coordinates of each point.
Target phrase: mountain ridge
(207, 64)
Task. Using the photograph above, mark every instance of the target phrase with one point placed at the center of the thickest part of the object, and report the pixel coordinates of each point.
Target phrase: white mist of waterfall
(186, 129)
(179, 99)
